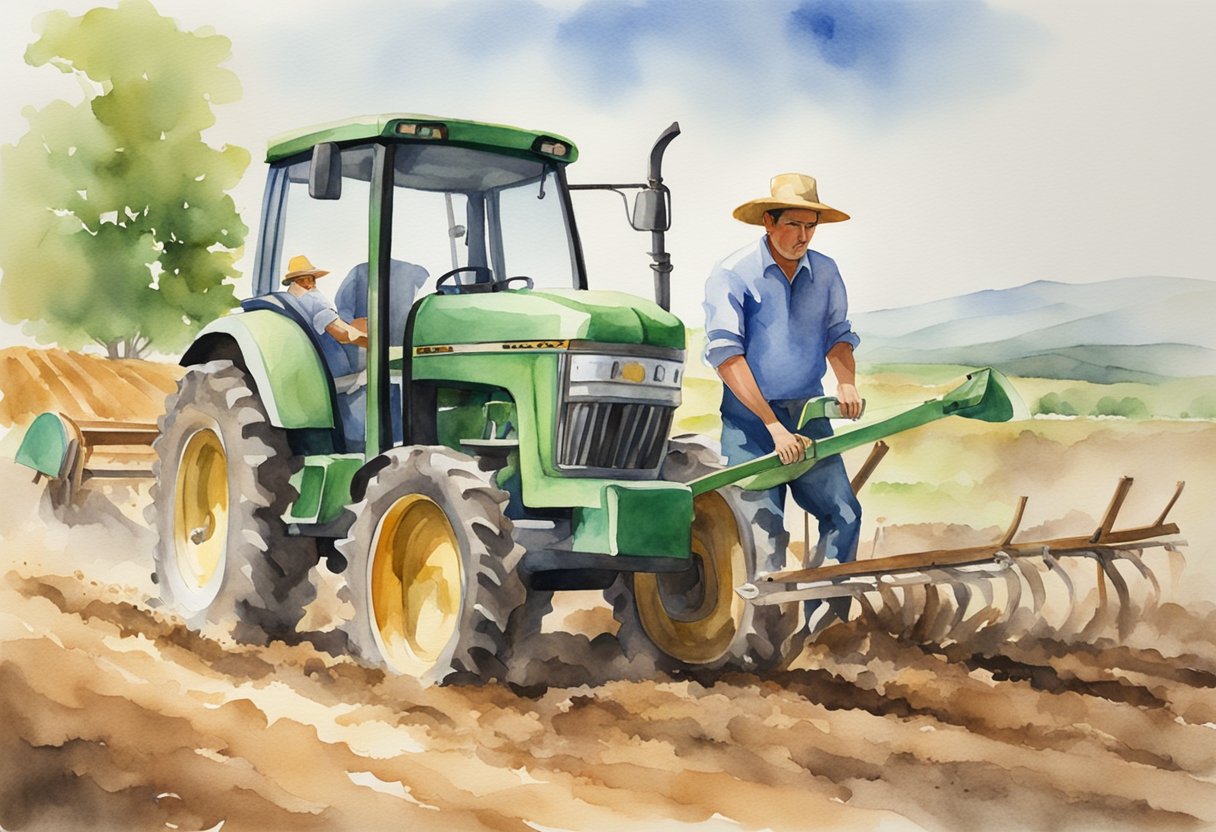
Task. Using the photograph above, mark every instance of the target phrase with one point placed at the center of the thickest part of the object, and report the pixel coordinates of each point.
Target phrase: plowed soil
(116, 716)
(83, 387)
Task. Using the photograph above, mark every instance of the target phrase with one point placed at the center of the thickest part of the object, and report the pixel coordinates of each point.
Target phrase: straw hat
(300, 266)
(790, 190)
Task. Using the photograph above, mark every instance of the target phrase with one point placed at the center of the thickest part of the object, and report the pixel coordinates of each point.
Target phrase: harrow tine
(893, 610)
(944, 621)
(868, 613)
(1029, 571)
(986, 593)
(916, 601)
(962, 600)
(1177, 562)
(1075, 611)
(1013, 585)
(1030, 574)
(1137, 561)
(1011, 617)
(929, 612)
(995, 619)
(1102, 617)
(1127, 611)
(985, 615)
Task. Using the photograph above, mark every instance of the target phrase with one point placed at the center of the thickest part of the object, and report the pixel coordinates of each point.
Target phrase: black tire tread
(476, 509)
(269, 597)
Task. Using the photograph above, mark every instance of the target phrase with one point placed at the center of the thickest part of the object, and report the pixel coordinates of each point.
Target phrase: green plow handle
(986, 395)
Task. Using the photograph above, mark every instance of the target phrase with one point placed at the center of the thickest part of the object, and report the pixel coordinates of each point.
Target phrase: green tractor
(504, 434)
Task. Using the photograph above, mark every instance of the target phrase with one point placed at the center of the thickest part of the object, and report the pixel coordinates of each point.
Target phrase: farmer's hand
(850, 401)
(791, 447)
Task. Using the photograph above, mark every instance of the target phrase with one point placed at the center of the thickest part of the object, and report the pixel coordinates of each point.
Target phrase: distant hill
(1131, 329)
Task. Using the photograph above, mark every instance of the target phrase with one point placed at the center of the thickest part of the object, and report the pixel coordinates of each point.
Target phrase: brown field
(118, 717)
(81, 386)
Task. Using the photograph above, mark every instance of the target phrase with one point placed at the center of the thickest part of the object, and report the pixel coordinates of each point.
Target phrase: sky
(977, 145)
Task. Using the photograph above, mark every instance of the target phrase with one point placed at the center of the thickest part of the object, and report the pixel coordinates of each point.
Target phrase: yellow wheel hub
(693, 616)
(200, 527)
(417, 584)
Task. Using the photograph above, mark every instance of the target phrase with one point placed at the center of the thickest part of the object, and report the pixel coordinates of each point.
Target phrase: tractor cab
(396, 211)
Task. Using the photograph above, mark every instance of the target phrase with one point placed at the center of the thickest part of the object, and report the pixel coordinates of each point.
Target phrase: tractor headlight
(423, 130)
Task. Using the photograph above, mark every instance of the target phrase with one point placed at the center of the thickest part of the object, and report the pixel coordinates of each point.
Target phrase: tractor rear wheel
(694, 619)
(222, 487)
(433, 568)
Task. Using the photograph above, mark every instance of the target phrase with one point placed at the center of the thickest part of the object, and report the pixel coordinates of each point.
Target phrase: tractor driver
(301, 281)
(776, 317)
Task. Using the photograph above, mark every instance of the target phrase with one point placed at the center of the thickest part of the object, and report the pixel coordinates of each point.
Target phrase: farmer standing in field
(776, 317)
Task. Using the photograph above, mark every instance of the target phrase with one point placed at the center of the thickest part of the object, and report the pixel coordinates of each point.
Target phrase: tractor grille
(613, 435)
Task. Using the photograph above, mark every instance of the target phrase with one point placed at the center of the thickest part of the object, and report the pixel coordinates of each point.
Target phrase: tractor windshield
(492, 216)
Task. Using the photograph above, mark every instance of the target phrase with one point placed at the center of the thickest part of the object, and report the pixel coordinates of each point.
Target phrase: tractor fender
(280, 359)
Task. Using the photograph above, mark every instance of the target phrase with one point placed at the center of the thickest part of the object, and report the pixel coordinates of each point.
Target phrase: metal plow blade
(1004, 589)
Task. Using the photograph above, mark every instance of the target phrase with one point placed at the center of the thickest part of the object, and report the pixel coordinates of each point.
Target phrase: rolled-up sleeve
(321, 314)
(724, 326)
(322, 319)
(839, 329)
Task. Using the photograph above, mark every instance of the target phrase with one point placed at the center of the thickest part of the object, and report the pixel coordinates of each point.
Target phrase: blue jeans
(824, 490)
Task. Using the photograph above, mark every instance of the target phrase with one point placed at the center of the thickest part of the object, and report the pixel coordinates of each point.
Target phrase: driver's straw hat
(300, 266)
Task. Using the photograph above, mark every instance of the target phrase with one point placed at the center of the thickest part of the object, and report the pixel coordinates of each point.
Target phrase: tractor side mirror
(650, 210)
(325, 172)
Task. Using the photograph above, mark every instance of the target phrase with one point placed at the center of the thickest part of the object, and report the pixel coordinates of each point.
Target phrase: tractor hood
(548, 315)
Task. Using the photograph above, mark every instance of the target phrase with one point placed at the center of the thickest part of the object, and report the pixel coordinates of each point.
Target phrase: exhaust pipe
(651, 212)
(658, 198)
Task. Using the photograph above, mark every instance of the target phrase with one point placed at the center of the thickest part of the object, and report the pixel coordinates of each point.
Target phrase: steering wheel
(483, 285)
(489, 285)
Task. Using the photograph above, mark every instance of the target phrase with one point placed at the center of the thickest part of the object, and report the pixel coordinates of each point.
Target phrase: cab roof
(398, 127)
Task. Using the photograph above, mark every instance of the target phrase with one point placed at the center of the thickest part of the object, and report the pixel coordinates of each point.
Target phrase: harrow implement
(911, 587)
(69, 452)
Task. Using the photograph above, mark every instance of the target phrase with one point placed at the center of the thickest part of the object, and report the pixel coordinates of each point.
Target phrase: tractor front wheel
(432, 572)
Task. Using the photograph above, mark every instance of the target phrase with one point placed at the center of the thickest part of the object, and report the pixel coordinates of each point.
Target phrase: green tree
(1052, 403)
(1203, 407)
(115, 223)
(1128, 407)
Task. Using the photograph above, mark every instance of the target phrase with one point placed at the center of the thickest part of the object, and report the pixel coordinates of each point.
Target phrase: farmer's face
(790, 235)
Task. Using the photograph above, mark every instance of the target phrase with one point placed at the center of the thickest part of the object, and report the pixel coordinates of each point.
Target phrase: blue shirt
(318, 309)
(405, 281)
(783, 328)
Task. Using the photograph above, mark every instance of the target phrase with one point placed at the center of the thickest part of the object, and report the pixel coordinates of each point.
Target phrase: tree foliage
(1053, 403)
(115, 223)
(1128, 407)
